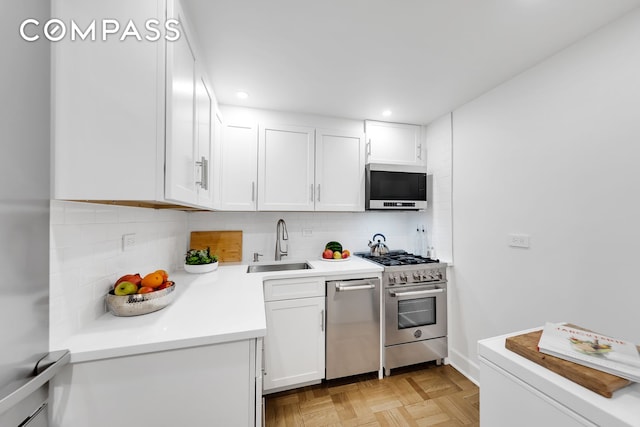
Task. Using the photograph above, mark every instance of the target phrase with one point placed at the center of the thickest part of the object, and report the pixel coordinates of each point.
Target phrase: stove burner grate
(394, 258)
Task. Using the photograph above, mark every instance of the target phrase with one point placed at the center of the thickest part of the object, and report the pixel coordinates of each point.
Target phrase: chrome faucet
(281, 235)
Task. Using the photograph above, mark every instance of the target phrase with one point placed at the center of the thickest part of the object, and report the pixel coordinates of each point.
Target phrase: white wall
(439, 159)
(553, 153)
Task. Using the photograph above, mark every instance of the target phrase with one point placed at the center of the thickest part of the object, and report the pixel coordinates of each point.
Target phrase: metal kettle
(378, 248)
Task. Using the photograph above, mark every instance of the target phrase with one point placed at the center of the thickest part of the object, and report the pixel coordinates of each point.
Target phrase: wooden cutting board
(227, 245)
(526, 345)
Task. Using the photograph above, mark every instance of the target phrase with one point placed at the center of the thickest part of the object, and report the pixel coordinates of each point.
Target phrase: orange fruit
(164, 274)
(152, 280)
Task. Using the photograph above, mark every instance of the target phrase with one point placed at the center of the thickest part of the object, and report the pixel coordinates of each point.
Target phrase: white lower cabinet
(212, 385)
(294, 347)
(507, 401)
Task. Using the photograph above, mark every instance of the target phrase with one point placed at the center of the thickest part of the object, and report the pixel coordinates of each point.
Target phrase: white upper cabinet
(126, 110)
(181, 88)
(339, 171)
(394, 143)
(238, 168)
(286, 168)
(203, 141)
(289, 168)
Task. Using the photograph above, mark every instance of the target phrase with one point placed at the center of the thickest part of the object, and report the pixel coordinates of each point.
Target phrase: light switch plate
(519, 240)
(128, 241)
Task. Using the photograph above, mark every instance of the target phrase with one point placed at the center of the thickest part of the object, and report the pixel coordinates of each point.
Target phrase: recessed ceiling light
(386, 113)
(242, 94)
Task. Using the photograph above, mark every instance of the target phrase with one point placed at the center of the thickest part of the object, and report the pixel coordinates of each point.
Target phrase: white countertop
(221, 306)
(623, 409)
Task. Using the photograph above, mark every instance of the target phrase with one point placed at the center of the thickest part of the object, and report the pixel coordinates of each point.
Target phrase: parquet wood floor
(421, 395)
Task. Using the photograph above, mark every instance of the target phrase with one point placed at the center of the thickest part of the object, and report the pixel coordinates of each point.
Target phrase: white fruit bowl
(201, 268)
(137, 304)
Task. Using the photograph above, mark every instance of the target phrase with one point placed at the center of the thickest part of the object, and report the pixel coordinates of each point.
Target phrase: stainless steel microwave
(395, 187)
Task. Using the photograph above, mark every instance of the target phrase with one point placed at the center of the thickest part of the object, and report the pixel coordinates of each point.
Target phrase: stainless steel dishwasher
(353, 327)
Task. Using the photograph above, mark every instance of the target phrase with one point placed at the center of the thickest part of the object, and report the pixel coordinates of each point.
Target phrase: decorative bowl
(137, 304)
(201, 268)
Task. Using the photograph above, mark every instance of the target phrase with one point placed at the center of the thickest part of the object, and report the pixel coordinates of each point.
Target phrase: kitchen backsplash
(309, 231)
(87, 254)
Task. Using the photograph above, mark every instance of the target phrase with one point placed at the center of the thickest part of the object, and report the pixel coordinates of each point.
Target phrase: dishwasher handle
(45, 369)
(356, 285)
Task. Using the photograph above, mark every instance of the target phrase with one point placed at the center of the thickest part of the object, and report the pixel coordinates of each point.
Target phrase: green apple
(125, 288)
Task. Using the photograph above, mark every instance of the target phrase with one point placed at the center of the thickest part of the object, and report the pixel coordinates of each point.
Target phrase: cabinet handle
(204, 173)
(322, 320)
(419, 154)
(318, 192)
(45, 369)
(312, 192)
(253, 191)
(369, 147)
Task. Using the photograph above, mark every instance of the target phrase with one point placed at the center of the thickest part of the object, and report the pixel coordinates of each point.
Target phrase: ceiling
(356, 58)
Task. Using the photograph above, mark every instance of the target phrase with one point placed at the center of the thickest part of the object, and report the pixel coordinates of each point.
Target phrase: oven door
(415, 313)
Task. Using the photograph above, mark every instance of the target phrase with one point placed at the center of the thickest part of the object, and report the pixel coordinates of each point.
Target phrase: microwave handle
(419, 151)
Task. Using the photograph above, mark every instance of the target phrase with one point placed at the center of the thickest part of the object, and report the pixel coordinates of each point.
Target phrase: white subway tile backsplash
(353, 230)
(86, 256)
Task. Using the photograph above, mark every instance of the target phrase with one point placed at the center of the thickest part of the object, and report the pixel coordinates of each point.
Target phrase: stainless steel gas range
(415, 308)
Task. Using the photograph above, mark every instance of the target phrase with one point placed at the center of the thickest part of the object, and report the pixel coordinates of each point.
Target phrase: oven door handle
(412, 293)
(340, 287)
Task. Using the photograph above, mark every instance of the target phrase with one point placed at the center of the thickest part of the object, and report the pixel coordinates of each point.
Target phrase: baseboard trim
(465, 366)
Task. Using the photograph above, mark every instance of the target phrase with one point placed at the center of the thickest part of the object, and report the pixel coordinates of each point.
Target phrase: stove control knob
(416, 276)
(392, 279)
(403, 277)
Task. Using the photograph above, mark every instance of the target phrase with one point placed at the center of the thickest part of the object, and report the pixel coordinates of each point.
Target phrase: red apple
(327, 254)
(133, 278)
(166, 284)
(145, 290)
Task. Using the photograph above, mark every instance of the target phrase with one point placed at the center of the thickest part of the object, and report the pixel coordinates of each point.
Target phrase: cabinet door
(294, 344)
(203, 128)
(285, 168)
(339, 171)
(238, 168)
(394, 143)
(180, 179)
(214, 385)
(108, 126)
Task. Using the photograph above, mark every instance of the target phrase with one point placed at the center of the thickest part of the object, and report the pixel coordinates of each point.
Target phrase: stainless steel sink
(285, 266)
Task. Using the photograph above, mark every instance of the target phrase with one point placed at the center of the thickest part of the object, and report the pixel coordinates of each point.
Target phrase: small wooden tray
(526, 345)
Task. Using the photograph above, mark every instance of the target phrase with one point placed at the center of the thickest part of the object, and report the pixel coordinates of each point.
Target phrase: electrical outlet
(128, 241)
(519, 240)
